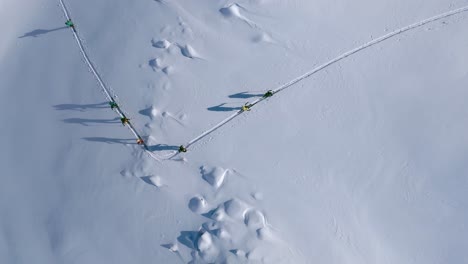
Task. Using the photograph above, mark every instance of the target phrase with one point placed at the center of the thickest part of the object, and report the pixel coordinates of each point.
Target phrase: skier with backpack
(70, 24)
(269, 93)
(113, 105)
(124, 120)
(182, 148)
(245, 107)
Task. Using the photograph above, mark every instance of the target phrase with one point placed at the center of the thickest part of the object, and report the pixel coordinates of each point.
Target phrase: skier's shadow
(244, 95)
(146, 112)
(81, 107)
(38, 32)
(223, 108)
(111, 140)
(88, 122)
(162, 147)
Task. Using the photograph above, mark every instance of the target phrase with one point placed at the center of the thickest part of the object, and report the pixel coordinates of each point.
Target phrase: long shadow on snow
(222, 108)
(189, 238)
(146, 112)
(161, 147)
(111, 140)
(169, 246)
(244, 95)
(38, 32)
(81, 107)
(147, 179)
(87, 122)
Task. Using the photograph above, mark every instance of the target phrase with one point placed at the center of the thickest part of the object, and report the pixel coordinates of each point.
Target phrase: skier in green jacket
(182, 148)
(113, 105)
(268, 94)
(69, 23)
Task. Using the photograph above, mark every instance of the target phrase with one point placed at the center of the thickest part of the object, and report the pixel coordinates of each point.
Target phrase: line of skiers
(182, 148)
(125, 120)
(245, 107)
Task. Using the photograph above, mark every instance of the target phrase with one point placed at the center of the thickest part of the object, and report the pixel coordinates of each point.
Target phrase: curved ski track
(111, 95)
(329, 63)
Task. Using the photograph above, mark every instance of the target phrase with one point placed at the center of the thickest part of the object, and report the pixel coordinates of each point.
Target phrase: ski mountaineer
(182, 148)
(246, 107)
(113, 105)
(124, 120)
(69, 23)
(269, 93)
(140, 141)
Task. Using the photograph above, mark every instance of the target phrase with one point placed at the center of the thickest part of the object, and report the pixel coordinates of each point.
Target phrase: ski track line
(329, 63)
(107, 92)
(103, 86)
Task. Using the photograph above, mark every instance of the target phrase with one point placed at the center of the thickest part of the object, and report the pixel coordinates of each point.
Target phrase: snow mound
(154, 112)
(155, 63)
(254, 219)
(198, 204)
(235, 226)
(208, 251)
(214, 176)
(264, 233)
(257, 196)
(150, 112)
(168, 70)
(189, 52)
(154, 180)
(161, 44)
(219, 214)
(232, 10)
(171, 246)
(236, 208)
(263, 37)
(238, 252)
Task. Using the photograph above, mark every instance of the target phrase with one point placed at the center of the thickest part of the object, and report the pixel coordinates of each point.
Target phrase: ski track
(329, 63)
(110, 96)
(107, 91)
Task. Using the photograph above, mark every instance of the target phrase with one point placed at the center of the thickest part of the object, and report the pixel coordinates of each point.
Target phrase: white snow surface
(361, 161)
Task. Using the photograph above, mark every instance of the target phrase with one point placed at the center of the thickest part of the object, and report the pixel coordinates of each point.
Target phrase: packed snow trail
(107, 91)
(327, 64)
(372, 43)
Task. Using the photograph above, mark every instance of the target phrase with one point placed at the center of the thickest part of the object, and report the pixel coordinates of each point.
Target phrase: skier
(246, 107)
(124, 120)
(69, 23)
(268, 94)
(140, 141)
(182, 148)
(113, 105)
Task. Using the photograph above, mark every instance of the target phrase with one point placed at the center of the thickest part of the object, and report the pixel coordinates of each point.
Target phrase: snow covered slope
(364, 161)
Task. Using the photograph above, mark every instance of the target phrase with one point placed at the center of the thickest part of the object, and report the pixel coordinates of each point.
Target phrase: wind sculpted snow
(362, 162)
